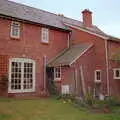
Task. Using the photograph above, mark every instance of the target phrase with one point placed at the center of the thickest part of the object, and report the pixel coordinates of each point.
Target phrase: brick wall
(30, 46)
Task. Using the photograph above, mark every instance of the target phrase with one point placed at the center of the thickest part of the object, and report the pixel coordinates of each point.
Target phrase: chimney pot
(62, 15)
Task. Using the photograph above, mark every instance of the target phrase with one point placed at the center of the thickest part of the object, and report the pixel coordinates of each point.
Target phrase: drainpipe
(45, 62)
(69, 41)
(107, 68)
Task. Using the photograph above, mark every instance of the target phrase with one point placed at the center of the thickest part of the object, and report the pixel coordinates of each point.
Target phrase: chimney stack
(87, 18)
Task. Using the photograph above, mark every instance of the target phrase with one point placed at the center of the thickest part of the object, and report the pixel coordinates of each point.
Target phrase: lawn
(49, 109)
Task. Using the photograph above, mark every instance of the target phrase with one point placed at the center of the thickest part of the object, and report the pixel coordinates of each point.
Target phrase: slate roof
(70, 55)
(27, 13)
(24, 12)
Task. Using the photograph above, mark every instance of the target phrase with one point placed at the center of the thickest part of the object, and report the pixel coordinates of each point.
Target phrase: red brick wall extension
(99, 58)
(68, 73)
(113, 48)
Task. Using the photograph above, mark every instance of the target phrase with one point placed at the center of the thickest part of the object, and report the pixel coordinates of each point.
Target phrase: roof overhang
(88, 31)
(32, 22)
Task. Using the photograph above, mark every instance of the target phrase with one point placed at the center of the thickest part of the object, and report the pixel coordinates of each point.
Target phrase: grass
(49, 109)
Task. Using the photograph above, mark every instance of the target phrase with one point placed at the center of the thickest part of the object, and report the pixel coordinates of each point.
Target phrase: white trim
(114, 73)
(95, 76)
(11, 32)
(55, 78)
(88, 31)
(22, 60)
(69, 40)
(81, 54)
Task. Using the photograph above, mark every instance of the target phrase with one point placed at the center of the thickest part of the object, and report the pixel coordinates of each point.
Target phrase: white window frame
(56, 78)
(45, 35)
(95, 75)
(21, 60)
(18, 30)
(114, 73)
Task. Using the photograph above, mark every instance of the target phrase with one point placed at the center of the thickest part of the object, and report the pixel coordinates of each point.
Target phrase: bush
(53, 88)
(89, 100)
(112, 101)
(95, 103)
(66, 97)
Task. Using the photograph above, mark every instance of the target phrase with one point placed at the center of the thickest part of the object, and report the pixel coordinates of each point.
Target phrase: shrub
(112, 101)
(66, 97)
(89, 100)
(95, 103)
(53, 88)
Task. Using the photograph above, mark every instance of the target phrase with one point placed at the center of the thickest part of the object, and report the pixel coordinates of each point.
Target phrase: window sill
(117, 78)
(21, 91)
(45, 43)
(57, 80)
(97, 81)
(15, 38)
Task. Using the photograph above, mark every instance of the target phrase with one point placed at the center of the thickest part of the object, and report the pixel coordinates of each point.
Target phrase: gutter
(87, 31)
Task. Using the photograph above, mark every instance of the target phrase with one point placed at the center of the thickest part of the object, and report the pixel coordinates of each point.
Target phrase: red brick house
(78, 55)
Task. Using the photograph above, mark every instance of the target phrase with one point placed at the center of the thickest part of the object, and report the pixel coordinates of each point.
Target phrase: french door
(21, 75)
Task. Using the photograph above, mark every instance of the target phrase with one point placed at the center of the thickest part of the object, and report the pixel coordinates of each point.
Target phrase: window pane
(58, 72)
(44, 35)
(117, 73)
(28, 77)
(15, 29)
(15, 75)
(98, 75)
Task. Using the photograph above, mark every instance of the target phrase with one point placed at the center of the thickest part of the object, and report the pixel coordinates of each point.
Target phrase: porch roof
(70, 55)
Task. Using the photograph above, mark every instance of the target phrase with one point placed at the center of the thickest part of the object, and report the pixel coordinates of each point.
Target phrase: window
(15, 29)
(21, 75)
(45, 35)
(57, 73)
(116, 72)
(97, 75)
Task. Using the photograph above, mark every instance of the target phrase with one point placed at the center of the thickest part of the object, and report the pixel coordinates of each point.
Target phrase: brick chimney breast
(87, 18)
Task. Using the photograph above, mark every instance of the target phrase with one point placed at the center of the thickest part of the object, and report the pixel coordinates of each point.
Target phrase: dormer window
(15, 29)
(44, 35)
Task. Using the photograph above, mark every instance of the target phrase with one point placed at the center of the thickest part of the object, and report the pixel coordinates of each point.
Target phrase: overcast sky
(106, 13)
